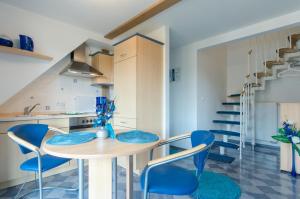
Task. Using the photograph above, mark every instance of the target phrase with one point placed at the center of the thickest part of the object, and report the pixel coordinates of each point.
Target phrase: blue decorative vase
(5, 41)
(26, 43)
(102, 133)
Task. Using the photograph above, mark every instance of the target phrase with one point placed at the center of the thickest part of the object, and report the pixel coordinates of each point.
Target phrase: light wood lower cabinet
(11, 158)
(62, 124)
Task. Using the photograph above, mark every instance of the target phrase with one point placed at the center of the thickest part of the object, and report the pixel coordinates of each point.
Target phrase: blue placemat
(137, 137)
(72, 138)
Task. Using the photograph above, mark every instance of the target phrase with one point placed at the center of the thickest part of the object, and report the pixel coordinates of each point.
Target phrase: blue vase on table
(104, 111)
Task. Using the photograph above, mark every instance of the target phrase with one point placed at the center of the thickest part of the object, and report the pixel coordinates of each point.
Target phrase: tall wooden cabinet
(138, 86)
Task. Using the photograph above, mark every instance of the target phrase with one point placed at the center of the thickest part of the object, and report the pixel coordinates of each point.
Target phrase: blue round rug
(216, 186)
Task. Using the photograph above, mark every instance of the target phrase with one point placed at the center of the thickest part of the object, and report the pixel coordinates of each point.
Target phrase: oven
(85, 123)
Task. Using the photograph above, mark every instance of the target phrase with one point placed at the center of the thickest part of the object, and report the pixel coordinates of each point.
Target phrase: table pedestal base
(100, 178)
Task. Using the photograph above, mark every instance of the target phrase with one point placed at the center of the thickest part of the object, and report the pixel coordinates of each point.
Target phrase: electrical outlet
(47, 108)
(174, 74)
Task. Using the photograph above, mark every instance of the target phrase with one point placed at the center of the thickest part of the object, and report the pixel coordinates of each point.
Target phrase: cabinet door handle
(123, 55)
(123, 122)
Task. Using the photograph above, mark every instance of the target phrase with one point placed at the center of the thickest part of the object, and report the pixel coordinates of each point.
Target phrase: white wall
(183, 93)
(263, 47)
(198, 92)
(60, 93)
(51, 37)
(211, 85)
(276, 91)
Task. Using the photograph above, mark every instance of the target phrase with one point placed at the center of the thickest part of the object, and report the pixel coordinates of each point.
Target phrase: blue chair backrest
(32, 133)
(197, 138)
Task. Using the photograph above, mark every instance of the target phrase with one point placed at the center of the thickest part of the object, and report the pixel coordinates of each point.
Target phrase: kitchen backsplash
(56, 93)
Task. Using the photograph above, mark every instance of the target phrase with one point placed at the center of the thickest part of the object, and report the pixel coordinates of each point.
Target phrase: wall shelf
(26, 53)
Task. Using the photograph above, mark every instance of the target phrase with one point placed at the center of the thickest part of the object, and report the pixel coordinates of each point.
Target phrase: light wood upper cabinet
(104, 64)
(125, 50)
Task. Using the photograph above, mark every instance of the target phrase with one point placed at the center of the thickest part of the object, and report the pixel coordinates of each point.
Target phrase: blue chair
(163, 178)
(29, 137)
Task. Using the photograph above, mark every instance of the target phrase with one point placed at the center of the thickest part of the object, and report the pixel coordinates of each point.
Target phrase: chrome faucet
(28, 110)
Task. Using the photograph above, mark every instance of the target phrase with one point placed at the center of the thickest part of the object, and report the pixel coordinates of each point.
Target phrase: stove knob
(82, 121)
(87, 121)
(91, 121)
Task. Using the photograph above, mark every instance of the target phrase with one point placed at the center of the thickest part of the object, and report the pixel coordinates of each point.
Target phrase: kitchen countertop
(12, 117)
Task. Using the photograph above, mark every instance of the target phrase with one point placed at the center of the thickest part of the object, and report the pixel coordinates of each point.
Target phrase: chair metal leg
(81, 178)
(151, 154)
(115, 178)
(35, 180)
(20, 189)
(40, 176)
(44, 189)
(146, 194)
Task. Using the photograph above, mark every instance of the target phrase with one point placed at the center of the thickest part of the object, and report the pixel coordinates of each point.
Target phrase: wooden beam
(154, 9)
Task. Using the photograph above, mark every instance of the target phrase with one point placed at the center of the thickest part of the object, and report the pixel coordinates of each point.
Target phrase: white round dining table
(101, 154)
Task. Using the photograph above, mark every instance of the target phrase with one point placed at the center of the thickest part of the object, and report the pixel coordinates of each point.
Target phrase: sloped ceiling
(52, 38)
(189, 20)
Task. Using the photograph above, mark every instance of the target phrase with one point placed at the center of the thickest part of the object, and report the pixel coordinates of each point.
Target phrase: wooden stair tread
(235, 95)
(226, 122)
(229, 112)
(262, 74)
(295, 38)
(271, 63)
(282, 51)
(254, 85)
(220, 158)
(223, 132)
(219, 143)
(231, 103)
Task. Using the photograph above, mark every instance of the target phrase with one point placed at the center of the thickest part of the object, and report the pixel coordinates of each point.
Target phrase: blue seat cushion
(48, 162)
(170, 180)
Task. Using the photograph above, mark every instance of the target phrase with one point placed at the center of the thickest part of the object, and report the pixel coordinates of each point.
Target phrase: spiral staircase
(237, 118)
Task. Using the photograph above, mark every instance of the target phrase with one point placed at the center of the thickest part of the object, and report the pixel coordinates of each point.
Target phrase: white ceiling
(189, 20)
(100, 16)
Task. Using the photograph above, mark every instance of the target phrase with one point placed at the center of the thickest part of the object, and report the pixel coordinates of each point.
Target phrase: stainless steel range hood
(78, 66)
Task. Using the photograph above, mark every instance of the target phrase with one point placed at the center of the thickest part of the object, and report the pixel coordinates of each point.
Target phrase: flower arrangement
(104, 111)
(289, 134)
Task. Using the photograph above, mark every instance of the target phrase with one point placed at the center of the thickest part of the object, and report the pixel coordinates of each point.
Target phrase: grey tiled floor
(258, 175)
